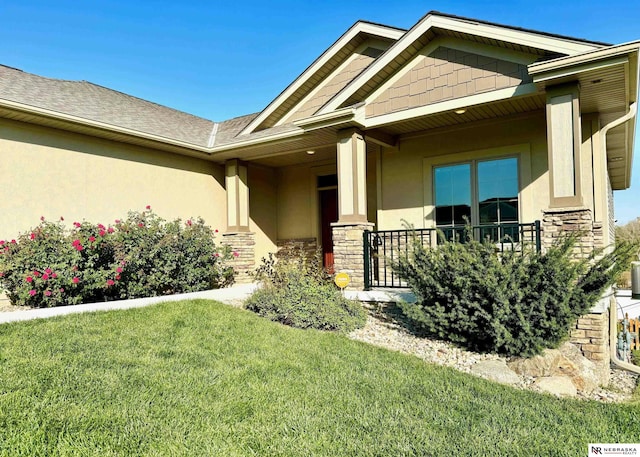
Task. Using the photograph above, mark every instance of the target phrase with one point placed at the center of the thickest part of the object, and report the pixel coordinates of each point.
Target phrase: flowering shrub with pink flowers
(140, 256)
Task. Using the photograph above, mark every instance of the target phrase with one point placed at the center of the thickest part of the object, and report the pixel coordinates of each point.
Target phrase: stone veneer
(244, 244)
(591, 335)
(307, 246)
(348, 248)
(555, 223)
(591, 332)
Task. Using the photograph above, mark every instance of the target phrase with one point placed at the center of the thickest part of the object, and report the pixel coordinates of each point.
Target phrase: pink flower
(102, 233)
(29, 279)
(118, 270)
(140, 224)
(45, 276)
(79, 247)
(110, 230)
(32, 236)
(216, 254)
(62, 290)
(117, 276)
(100, 226)
(42, 218)
(123, 263)
(47, 293)
(1, 274)
(188, 222)
(36, 273)
(75, 242)
(48, 271)
(77, 224)
(117, 221)
(61, 218)
(110, 282)
(92, 238)
(216, 231)
(13, 241)
(32, 292)
(2, 242)
(148, 207)
(235, 253)
(54, 275)
(74, 268)
(75, 280)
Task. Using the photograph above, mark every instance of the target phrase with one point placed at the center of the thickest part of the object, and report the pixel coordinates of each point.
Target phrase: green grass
(197, 378)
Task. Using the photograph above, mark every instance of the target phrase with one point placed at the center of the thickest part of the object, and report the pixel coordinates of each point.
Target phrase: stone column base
(591, 335)
(243, 243)
(348, 251)
(557, 222)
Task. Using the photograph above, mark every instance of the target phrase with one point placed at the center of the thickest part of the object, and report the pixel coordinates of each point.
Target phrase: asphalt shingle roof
(91, 101)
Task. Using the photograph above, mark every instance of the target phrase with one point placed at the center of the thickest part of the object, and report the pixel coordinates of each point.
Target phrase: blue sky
(219, 60)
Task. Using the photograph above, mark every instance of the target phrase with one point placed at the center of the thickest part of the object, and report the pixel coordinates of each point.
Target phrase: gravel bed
(384, 331)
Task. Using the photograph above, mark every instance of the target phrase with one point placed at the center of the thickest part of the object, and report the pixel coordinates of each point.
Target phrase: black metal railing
(382, 248)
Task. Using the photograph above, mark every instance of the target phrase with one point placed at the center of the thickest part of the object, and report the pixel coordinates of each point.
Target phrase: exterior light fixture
(311, 152)
(460, 111)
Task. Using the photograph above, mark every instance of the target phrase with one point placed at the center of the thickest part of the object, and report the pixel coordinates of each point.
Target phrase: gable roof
(319, 69)
(433, 24)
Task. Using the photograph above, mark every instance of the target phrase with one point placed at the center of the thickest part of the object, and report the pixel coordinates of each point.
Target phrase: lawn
(198, 378)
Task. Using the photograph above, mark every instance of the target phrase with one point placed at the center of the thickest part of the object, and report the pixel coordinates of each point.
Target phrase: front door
(328, 214)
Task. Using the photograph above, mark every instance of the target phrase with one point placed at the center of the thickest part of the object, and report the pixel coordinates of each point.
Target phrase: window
(485, 193)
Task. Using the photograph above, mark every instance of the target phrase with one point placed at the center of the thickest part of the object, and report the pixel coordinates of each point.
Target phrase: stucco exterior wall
(406, 191)
(263, 193)
(52, 173)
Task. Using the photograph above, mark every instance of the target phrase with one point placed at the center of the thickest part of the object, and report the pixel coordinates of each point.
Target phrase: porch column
(348, 249)
(352, 176)
(564, 139)
(238, 236)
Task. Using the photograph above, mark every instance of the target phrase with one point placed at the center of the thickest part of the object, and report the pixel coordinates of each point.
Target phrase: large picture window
(483, 193)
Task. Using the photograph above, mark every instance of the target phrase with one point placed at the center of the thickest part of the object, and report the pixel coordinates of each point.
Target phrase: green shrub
(296, 291)
(512, 303)
(140, 256)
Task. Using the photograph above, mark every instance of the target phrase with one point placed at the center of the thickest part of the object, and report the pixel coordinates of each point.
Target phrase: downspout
(613, 330)
(613, 312)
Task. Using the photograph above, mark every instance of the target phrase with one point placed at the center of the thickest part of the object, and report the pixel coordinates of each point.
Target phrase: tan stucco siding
(296, 203)
(406, 191)
(263, 194)
(334, 84)
(446, 74)
(51, 173)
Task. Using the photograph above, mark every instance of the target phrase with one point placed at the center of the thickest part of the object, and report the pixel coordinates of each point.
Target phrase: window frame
(521, 152)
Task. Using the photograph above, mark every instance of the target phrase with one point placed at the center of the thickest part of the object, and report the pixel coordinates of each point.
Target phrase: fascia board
(575, 69)
(450, 105)
(359, 27)
(586, 57)
(27, 109)
(33, 110)
(524, 38)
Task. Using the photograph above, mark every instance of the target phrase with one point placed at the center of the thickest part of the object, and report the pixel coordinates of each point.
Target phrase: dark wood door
(328, 214)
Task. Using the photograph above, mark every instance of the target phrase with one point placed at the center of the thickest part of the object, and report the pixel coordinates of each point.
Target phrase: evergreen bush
(298, 292)
(515, 303)
(140, 256)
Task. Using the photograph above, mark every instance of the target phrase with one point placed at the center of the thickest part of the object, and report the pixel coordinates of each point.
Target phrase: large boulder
(565, 361)
(495, 370)
(557, 385)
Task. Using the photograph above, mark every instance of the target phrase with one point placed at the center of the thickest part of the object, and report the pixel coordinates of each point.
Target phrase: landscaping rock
(557, 385)
(495, 370)
(566, 361)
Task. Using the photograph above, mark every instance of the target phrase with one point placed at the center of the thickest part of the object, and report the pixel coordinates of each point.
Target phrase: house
(454, 118)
